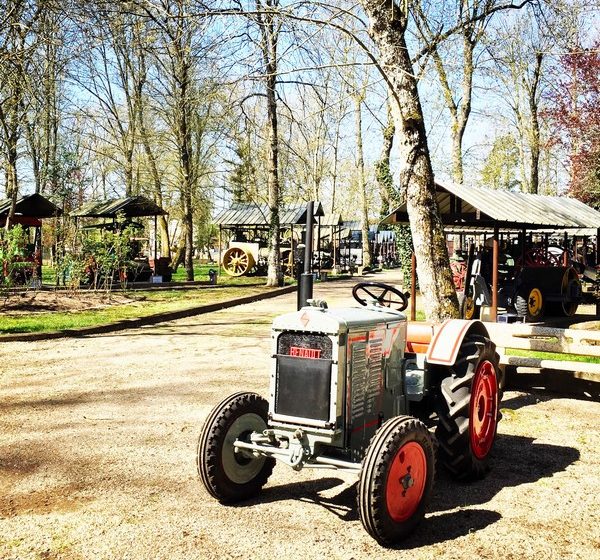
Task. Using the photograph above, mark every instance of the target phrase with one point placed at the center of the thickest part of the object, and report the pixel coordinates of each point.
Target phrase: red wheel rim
(484, 409)
(406, 482)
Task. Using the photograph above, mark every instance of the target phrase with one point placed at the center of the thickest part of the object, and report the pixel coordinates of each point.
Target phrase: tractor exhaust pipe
(305, 283)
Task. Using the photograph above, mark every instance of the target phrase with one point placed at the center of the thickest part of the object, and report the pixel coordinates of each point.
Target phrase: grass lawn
(143, 303)
(200, 273)
(552, 356)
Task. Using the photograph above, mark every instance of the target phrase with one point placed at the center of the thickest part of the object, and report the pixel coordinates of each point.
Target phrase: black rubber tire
(229, 477)
(454, 408)
(522, 307)
(373, 482)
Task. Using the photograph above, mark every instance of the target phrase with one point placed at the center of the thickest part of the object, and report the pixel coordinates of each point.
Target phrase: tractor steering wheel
(379, 292)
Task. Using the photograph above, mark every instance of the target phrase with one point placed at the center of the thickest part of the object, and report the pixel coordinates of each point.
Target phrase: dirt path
(97, 459)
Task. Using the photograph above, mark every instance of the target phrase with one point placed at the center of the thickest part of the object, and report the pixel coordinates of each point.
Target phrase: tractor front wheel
(468, 409)
(228, 475)
(396, 479)
(530, 304)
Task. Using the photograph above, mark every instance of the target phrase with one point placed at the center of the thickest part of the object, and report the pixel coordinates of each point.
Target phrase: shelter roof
(130, 207)
(329, 220)
(249, 214)
(31, 206)
(467, 207)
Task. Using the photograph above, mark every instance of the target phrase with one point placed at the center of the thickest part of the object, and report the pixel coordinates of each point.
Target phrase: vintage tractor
(363, 390)
(532, 286)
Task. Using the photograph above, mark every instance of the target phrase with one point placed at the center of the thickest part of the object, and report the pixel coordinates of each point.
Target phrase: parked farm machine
(245, 258)
(360, 389)
(539, 282)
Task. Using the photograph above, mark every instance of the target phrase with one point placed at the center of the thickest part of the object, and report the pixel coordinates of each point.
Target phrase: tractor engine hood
(337, 321)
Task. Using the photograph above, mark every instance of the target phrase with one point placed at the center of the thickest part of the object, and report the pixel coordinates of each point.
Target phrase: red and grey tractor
(361, 389)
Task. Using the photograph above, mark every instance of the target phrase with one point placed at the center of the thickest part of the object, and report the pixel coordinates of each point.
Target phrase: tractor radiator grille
(303, 388)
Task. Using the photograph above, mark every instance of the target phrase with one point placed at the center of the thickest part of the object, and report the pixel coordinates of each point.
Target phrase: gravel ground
(97, 459)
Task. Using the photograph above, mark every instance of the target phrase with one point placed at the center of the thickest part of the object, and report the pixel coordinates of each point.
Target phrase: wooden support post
(155, 240)
(413, 288)
(319, 244)
(220, 251)
(597, 263)
(495, 245)
(565, 255)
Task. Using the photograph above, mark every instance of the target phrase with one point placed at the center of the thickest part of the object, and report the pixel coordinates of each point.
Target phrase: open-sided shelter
(30, 210)
(467, 209)
(128, 207)
(247, 225)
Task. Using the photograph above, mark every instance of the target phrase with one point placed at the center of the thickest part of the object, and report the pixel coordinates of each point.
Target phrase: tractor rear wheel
(570, 286)
(396, 479)
(468, 409)
(231, 476)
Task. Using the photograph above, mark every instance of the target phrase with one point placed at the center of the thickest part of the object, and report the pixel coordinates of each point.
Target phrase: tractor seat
(418, 337)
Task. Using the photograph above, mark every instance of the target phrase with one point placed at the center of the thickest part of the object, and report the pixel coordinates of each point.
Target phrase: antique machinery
(532, 286)
(361, 389)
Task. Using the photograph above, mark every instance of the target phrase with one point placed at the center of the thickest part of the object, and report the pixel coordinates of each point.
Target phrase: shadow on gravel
(523, 400)
(556, 384)
(448, 526)
(516, 460)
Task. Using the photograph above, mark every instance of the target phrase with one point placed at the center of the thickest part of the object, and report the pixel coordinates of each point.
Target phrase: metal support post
(305, 285)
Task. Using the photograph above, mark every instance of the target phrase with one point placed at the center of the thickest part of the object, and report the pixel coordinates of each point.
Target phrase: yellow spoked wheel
(530, 304)
(470, 309)
(535, 302)
(237, 262)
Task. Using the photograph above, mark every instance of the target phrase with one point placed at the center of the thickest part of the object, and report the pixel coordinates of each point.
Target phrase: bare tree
(522, 53)
(388, 27)
(269, 26)
(383, 175)
(465, 20)
(18, 21)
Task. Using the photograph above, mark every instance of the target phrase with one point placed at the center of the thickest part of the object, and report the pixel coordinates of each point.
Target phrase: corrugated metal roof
(32, 206)
(249, 214)
(131, 207)
(329, 220)
(481, 206)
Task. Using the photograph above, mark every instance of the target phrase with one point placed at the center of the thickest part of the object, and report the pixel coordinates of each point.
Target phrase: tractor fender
(448, 338)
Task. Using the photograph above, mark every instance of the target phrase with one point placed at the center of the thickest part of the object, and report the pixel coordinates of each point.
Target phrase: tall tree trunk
(274, 275)
(534, 164)
(383, 174)
(334, 178)
(387, 28)
(12, 184)
(362, 183)
(269, 38)
(165, 248)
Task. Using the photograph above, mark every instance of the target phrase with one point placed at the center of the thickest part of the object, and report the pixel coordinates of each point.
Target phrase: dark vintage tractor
(530, 286)
(361, 389)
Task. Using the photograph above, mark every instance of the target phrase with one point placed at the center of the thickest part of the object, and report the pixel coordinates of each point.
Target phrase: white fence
(546, 339)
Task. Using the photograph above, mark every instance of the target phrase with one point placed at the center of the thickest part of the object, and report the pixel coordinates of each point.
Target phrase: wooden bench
(546, 339)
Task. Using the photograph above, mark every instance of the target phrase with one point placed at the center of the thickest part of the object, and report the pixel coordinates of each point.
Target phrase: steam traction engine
(361, 389)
